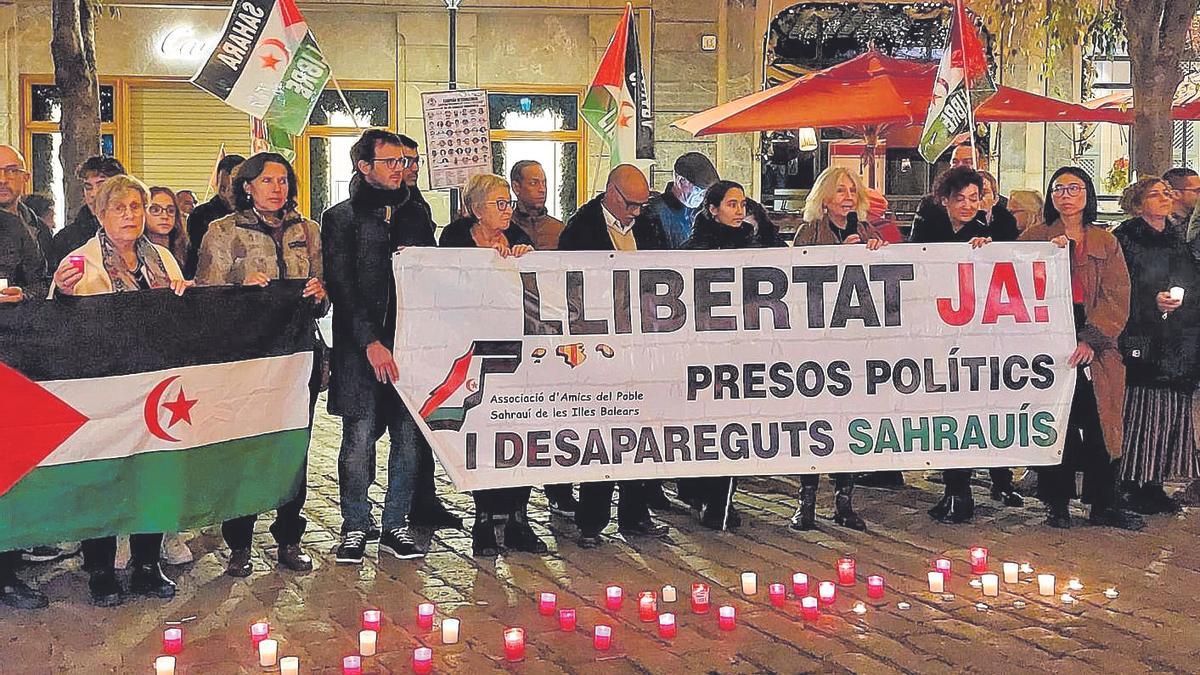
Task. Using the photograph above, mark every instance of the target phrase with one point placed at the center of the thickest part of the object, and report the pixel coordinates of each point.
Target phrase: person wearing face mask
(93, 171)
(676, 206)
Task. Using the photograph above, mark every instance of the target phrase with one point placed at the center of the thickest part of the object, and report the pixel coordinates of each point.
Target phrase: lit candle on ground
(778, 593)
(259, 632)
(371, 619)
(613, 596)
(1067, 598)
(937, 582)
(422, 660)
(1075, 585)
(1176, 293)
(425, 615)
(975, 583)
(979, 560)
(666, 625)
(173, 640)
(943, 565)
(602, 638)
(647, 606)
(366, 642)
(827, 591)
(164, 665)
(1045, 584)
(450, 631)
(268, 653)
(514, 644)
(809, 608)
(289, 665)
(1111, 594)
(700, 598)
(566, 620)
(749, 583)
(3, 284)
(668, 593)
(875, 586)
(799, 584)
(847, 570)
(547, 602)
(352, 665)
(1010, 572)
(859, 608)
(726, 617)
(991, 585)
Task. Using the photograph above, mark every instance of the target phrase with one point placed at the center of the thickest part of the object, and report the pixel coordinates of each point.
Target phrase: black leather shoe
(589, 541)
(149, 580)
(294, 558)
(1059, 516)
(239, 563)
(953, 510)
(1008, 496)
(644, 528)
(435, 516)
(519, 536)
(105, 589)
(483, 537)
(1114, 517)
(18, 594)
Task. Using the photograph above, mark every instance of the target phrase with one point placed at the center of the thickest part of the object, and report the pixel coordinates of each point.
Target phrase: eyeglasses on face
(11, 171)
(503, 205)
(1072, 189)
(629, 204)
(392, 162)
(156, 210)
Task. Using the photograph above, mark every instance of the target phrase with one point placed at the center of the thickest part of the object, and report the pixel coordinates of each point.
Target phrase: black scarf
(367, 196)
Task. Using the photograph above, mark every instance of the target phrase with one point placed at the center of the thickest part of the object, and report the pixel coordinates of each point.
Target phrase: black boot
(805, 517)
(105, 589)
(483, 536)
(844, 515)
(1007, 495)
(519, 536)
(148, 580)
(1059, 515)
(954, 509)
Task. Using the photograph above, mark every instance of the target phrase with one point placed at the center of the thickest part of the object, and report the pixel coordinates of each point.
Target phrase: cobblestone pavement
(1150, 627)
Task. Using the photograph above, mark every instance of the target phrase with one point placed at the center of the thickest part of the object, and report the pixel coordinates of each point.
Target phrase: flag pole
(960, 14)
(342, 95)
(208, 188)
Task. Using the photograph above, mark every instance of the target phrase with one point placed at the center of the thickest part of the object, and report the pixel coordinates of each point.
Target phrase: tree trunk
(74, 51)
(1157, 33)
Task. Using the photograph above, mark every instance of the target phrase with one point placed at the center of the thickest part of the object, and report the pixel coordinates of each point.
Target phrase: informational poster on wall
(457, 142)
(563, 367)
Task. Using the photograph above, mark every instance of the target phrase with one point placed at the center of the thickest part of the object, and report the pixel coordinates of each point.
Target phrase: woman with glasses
(1100, 288)
(164, 224)
(1160, 345)
(488, 224)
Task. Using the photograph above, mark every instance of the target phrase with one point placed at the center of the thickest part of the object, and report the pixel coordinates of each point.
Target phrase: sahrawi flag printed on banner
(267, 64)
(144, 412)
(617, 105)
(963, 83)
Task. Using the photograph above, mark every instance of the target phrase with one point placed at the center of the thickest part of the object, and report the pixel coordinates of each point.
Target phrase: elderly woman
(1160, 346)
(265, 239)
(121, 259)
(835, 213)
(489, 206)
(164, 226)
(1100, 288)
(1026, 206)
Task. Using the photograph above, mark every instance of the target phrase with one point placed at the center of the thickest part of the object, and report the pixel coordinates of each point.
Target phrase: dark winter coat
(21, 262)
(707, 234)
(75, 234)
(458, 235)
(932, 226)
(198, 223)
(588, 231)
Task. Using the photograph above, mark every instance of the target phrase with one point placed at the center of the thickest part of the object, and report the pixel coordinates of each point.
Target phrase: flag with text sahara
(267, 64)
(147, 412)
(617, 105)
(962, 84)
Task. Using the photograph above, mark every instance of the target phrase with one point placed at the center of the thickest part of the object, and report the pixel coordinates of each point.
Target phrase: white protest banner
(573, 367)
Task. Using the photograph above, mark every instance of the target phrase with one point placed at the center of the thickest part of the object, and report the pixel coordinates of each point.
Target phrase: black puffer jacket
(707, 233)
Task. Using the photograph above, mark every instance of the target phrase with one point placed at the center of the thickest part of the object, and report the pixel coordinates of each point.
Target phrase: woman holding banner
(1100, 288)
(488, 224)
(120, 259)
(264, 239)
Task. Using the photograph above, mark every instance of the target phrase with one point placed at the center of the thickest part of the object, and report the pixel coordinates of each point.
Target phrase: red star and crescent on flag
(180, 409)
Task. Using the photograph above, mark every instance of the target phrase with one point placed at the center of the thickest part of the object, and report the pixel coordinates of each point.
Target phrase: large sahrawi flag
(144, 412)
(617, 105)
(267, 64)
(962, 84)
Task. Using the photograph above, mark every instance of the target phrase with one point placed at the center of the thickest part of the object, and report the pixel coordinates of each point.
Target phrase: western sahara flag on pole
(144, 412)
(617, 105)
(962, 84)
(267, 64)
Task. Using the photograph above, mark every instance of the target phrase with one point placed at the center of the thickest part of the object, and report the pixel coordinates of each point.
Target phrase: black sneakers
(399, 543)
(352, 548)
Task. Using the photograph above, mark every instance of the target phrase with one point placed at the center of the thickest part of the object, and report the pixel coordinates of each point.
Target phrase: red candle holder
(979, 560)
(425, 615)
(547, 602)
(613, 597)
(602, 638)
(700, 598)
(258, 632)
(666, 625)
(514, 644)
(172, 641)
(352, 665)
(726, 617)
(847, 570)
(371, 619)
(566, 620)
(875, 586)
(827, 591)
(778, 594)
(809, 609)
(647, 606)
(799, 584)
(422, 660)
(943, 565)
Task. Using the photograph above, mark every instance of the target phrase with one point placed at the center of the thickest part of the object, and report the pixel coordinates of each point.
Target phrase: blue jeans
(356, 466)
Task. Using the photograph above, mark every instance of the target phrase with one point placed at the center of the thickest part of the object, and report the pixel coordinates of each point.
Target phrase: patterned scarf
(148, 259)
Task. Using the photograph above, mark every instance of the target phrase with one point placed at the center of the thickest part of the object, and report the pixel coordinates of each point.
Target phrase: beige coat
(236, 245)
(95, 279)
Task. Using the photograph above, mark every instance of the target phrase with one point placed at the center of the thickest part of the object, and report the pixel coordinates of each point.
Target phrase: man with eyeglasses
(93, 171)
(676, 207)
(616, 220)
(1185, 186)
(221, 205)
(14, 176)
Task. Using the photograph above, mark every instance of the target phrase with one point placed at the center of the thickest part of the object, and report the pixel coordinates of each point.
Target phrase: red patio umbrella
(1118, 107)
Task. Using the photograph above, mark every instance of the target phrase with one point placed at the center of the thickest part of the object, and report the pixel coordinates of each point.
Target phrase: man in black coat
(358, 237)
(615, 221)
(210, 211)
(93, 171)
